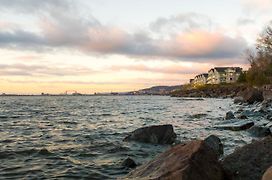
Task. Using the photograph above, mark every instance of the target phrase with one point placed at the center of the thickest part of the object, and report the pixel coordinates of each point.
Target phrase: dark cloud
(20, 38)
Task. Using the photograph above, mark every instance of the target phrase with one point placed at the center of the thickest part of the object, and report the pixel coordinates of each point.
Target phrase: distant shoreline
(22, 95)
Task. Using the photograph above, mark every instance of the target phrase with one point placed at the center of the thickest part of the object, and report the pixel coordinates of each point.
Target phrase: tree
(260, 60)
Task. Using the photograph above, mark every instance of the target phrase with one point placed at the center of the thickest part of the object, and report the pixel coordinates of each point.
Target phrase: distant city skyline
(123, 45)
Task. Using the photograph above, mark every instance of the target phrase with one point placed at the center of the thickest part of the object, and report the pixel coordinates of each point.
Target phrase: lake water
(81, 137)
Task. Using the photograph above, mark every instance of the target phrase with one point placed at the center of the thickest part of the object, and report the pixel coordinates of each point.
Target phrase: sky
(53, 46)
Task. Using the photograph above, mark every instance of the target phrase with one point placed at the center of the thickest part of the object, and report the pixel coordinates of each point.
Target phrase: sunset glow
(108, 46)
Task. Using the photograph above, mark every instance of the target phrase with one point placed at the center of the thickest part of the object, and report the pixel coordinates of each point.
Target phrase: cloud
(204, 44)
(34, 6)
(41, 70)
(110, 40)
(183, 22)
(61, 26)
(20, 38)
(260, 6)
(163, 69)
(245, 21)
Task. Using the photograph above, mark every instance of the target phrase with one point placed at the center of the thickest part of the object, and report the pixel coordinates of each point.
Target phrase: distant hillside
(158, 90)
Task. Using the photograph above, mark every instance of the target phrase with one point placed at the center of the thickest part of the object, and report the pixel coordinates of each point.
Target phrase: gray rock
(229, 115)
(129, 163)
(161, 134)
(242, 116)
(236, 125)
(249, 162)
(215, 143)
(259, 131)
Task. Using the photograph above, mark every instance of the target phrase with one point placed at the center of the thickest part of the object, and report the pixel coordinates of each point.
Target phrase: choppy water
(81, 137)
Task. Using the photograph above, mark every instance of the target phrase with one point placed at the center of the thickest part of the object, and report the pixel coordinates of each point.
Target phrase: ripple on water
(81, 137)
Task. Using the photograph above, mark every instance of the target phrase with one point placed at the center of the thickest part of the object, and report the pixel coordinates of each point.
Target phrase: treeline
(260, 59)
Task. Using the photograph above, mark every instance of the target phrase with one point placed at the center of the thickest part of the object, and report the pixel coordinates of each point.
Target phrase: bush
(242, 78)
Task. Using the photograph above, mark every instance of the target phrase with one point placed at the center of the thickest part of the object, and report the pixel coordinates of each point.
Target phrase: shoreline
(254, 117)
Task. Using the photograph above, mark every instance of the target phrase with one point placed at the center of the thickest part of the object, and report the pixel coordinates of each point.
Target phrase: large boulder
(161, 134)
(268, 174)
(215, 143)
(193, 161)
(252, 95)
(249, 162)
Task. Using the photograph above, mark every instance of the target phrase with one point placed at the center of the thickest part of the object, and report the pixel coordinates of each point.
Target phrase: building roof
(223, 69)
(204, 74)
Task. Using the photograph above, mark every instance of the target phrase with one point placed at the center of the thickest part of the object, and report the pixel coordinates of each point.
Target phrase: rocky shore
(204, 159)
(208, 91)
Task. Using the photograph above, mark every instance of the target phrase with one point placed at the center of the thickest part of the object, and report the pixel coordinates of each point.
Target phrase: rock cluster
(199, 159)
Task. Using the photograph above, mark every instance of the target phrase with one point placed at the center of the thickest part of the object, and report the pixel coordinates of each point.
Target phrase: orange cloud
(204, 44)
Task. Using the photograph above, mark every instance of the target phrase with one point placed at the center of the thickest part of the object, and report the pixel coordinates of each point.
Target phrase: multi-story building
(220, 75)
(200, 79)
(232, 74)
